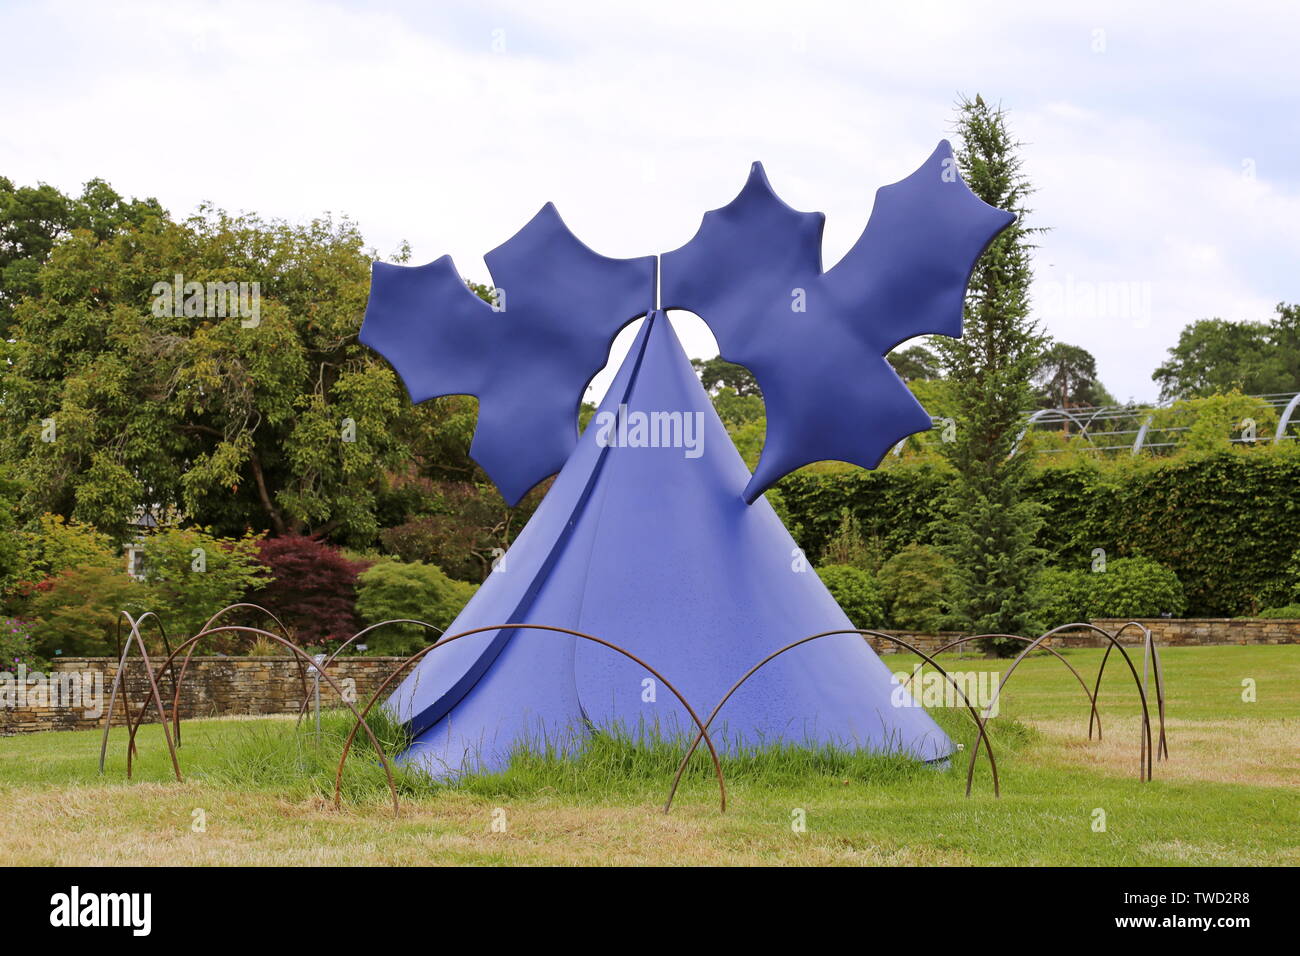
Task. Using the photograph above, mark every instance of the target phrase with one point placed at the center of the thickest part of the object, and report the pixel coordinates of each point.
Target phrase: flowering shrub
(17, 646)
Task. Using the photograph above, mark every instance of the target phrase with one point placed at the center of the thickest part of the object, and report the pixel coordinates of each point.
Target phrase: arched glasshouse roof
(1157, 429)
(1136, 429)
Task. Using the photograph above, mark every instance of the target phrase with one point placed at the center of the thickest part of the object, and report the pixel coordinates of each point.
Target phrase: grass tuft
(293, 758)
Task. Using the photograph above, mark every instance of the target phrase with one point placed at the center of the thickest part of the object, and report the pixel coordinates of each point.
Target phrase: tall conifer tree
(990, 525)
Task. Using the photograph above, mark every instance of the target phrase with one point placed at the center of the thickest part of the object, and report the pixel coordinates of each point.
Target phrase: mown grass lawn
(1228, 795)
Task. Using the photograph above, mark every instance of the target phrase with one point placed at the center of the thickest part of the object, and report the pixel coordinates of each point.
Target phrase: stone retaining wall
(213, 687)
(1180, 632)
(219, 686)
(1168, 632)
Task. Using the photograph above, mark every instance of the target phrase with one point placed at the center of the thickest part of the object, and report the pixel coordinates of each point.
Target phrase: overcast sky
(1162, 138)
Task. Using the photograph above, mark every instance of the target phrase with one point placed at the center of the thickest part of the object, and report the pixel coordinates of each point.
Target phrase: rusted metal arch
(979, 724)
(162, 631)
(1144, 759)
(185, 665)
(365, 630)
(1162, 751)
(119, 678)
(1144, 756)
(167, 646)
(1092, 700)
(1149, 652)
(117, 636)
(119, 649)
(703, 728)
(1151, 656)
(240, 629)
(1148, 648)
(153, 686)
(122, 650)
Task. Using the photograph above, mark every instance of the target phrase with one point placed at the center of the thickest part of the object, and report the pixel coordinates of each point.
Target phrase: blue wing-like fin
(816, 341)
(526, 358)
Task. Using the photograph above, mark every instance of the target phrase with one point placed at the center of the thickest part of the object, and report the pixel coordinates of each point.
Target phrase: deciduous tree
(1215, 355)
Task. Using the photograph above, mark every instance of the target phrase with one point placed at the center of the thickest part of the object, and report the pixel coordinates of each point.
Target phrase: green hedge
(856, 592)
(1127, 588)
(1290, 612)
(1226, 523)
(895, 506)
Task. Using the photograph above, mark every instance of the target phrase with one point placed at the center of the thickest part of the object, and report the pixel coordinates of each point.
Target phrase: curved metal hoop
(361, 633)
(172, 734)
(1151, 655)
(239, 629)
(118, 680)
(185, 664)
(702, 728)
(1144, 757)
(167, 647)
(1149, 646)
(813, 637)
(1092, 700)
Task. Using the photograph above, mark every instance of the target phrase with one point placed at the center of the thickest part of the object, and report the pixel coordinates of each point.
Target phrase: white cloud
(635, 121)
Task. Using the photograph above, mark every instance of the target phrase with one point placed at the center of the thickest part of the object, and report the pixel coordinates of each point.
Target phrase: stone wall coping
(1197, 620)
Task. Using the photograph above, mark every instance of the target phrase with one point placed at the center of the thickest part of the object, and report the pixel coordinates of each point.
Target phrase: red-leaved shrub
(313, 589)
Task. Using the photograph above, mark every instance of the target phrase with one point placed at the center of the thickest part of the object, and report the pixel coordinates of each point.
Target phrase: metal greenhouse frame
(1132, 428)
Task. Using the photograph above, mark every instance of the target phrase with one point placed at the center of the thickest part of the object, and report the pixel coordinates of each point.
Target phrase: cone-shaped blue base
(653, 549)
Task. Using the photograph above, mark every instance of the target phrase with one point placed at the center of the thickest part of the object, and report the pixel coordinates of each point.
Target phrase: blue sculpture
(527, 357)
(654, 535)
(816, 342)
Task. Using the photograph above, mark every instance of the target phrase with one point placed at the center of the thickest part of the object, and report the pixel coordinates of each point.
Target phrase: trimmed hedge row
(1227, 523)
